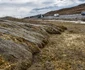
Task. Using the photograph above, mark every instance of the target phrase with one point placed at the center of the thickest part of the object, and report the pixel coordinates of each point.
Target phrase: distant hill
(72, 10)
(12, 19)
(9, 18)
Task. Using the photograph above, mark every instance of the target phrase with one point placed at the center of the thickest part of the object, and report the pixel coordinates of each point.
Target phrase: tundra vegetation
(32, 44)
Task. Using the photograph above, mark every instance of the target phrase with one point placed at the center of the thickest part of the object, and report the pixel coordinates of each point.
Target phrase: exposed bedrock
(20, 41)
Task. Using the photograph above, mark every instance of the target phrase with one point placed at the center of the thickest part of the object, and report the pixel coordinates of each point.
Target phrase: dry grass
(63, 52)
(4, 64)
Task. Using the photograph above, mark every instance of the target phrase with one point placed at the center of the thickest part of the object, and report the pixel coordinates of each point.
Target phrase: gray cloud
(22, 8)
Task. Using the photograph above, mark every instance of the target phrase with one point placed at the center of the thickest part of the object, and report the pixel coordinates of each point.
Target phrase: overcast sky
(23, 8)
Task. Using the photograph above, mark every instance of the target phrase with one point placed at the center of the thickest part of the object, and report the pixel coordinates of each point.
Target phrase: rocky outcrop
(19, 41)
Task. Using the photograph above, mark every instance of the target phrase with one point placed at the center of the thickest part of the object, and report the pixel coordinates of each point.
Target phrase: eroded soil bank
(20, 42)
